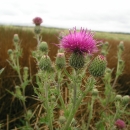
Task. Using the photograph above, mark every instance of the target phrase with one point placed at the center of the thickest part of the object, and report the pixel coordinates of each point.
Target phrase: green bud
(77, 60)
(121, 45)
(16, 38)
(10, 51)
(95, 92)
(45, 63)
(125, 99)
(121, 62)
(29, 115)
(43, 47)
(97, 66)
(53, 98)
(25, 73)
(118, 98)
(18, 91)
(74, 122)
(60, 61)
(62, 119)
(37, 30)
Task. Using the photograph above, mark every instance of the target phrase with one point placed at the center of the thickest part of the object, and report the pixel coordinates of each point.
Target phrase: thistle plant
(78, 44)
(14, 56)
(79, 74)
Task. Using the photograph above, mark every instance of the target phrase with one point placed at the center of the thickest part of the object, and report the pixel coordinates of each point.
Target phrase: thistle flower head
(79, 42)
(120, 124)
(37, 20)
(97, 66)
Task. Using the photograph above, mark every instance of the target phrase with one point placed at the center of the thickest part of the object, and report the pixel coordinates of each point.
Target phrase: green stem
(74, 109)
(48, 109)
(115, 116)
(90, 113)
(59, 91)
(23, 89)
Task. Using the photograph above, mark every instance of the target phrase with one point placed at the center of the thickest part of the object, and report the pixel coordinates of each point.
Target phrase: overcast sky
(100, 15)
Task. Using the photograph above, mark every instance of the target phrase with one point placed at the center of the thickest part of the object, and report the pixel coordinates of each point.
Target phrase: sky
(98, 15)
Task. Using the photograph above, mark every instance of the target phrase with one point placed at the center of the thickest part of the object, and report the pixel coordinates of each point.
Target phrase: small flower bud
(43, 47)
(60, 61)
(18, 91)
(97, 66)
(125, 99)
(25, 73)
(118, 98)
(121, 62)
(16, 38)
(37, 30)
(120, 124)
(37, 21)
(62, 119)
(10, 51)
(121, 45)
(29, 115)
(53, 98)
(45, 63)
(95, 92)
(77, 60)
(74, 122)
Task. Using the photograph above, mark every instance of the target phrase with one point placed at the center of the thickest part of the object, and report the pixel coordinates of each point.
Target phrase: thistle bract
(43, 47)
(77, 60)
(97, 66)
(45, 63)
(60, 61)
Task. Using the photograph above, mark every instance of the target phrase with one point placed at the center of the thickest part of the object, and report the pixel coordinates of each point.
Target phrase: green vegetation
(40, 89)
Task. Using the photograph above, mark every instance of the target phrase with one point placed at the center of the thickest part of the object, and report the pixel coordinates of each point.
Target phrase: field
(31, 110)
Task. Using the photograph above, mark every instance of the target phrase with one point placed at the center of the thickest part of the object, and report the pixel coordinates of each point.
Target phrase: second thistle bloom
(37, 20)
(78, 43)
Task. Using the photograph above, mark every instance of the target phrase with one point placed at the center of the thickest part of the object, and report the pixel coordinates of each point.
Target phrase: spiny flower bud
(118, 98)
(18, 91)
(29, 115)
(37, 29)
(77, 60)
(45, 63)
(95, 92)
(25, 73)
(120, 124)
(43, 47)
(60, 61)
(74, 122)
(121, 62)
(121, 45)
(10, 51)
(16, 38)
(125, 99)
(62, 119)
(97, 66)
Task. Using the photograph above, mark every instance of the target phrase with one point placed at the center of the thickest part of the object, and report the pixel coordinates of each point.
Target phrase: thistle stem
(90, 113)
(74, 109)
(59, 91)
(48, 109)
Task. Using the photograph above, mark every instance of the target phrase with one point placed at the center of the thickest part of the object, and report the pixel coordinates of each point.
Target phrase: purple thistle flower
(37, 20)
(79, 42)
(120, 124)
